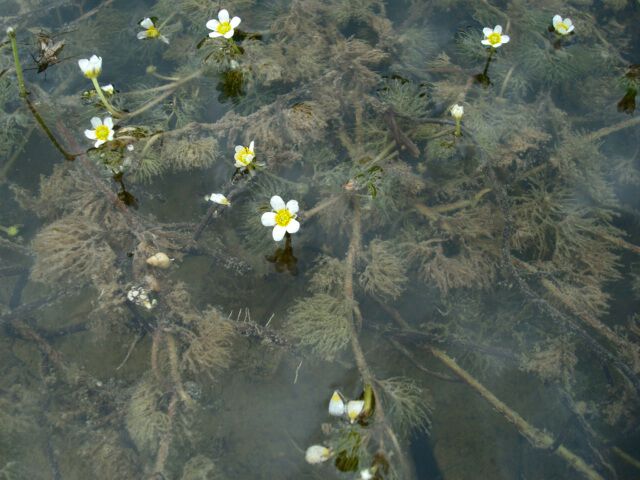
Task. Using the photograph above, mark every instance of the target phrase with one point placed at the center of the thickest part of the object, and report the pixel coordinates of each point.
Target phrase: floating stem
(110, 108)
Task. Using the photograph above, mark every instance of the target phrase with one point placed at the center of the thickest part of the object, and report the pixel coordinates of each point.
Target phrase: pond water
(466, 271)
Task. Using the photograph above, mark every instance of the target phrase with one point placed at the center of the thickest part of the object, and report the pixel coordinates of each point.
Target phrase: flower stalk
(110, 108)
(16, 60)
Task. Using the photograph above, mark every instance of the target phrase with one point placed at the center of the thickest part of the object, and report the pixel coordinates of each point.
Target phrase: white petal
(108, 88)
(487, 31)
(83, 63)
(251, 146)
(293, 207)
(146, 23)
(223, 15)
(215, 34)
(91, 134)
(498, 29)
(142, 35)
(486, 42)
(505, 39)
(556, 19)
(212, 24)
(164, 39)
(277, 203)
(229, 34)
(354, 409)
(110, 136)
(108, 121)
(570, 29)
(336, 405)
(96, 122)
(96, 62)
(268, 219)
(278, 232)
(238, 148)
(317, 454)
(568, 22)
(235, 21)
(219, 198)
(98, 143)
(293, 226)
(239, 164)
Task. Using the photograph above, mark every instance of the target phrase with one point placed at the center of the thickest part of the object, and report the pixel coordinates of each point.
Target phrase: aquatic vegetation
(282, 218)
(224, 26)
(218, 198)
(493, 223)
(562, 26)
(102, 131)
(91, 67)
(317, 454)
(244, 156)
(493, 37)
(151, 31)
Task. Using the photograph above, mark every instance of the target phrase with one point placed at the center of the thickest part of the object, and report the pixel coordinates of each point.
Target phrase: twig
(603, 132)
(537, 438)
(131, 347)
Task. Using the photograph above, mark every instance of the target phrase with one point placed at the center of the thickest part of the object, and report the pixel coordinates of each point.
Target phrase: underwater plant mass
(319, 239)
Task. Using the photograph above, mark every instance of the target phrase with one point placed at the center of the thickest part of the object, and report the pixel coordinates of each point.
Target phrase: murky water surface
(466, 272)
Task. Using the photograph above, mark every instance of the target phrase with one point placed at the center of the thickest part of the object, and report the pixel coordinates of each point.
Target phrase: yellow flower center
(92, 73)
(283, 217)
(494, 38)
(152, 32)
(245, 156)
(561, 26)
(102, 132)
(223, 27)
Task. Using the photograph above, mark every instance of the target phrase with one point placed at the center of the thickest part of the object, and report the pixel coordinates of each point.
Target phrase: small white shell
(160, 260)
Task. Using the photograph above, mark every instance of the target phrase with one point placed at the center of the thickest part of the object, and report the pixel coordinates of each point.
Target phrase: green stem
(458, 132)
(48, 133)
(105, 102)
(16, 59)
(486, 65)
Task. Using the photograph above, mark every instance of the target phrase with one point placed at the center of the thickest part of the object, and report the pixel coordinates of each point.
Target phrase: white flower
(102, 131)
(223, 27)
(457, 111)
(218, 198)
(151, 31)
(283, 218)
(317, 454)
(354, 409)
(108, 89)
(244, 155)
(336, 404)
(563, 27)
(91, 67)
(494, 38)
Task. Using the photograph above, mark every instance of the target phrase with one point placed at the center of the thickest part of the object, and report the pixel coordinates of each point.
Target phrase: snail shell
(160, 260)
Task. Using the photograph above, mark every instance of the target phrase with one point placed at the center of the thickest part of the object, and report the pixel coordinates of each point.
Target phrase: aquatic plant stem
(537, 438)
(16, 60)
(358, 353)
(25, 95)
(110, 108)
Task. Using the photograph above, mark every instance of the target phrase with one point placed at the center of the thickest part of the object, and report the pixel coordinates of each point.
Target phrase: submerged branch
(536, 437)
